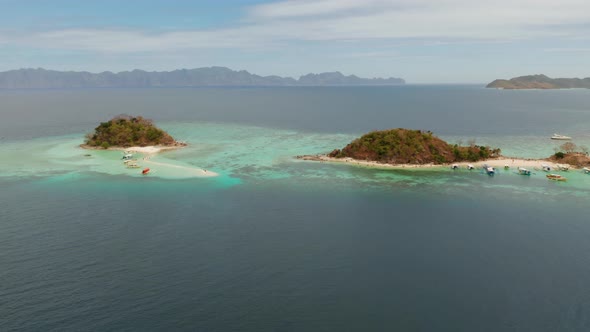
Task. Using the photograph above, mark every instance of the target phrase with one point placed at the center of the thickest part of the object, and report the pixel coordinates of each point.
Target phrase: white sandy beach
(148, 149)
(194, 171)
(497, 163)
(152, 149)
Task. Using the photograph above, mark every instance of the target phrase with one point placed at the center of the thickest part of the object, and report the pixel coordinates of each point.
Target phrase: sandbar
(152, 149)
(195, 171)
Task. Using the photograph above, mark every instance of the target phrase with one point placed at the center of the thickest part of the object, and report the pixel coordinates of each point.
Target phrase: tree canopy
(126, 131)
(401, 146)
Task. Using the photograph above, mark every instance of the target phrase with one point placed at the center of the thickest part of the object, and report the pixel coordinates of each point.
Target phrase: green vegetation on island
(540, 82)
(127, 131)
(405, 146)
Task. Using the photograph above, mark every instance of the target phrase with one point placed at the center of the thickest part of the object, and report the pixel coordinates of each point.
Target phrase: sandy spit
(152, 149)
(497, 163)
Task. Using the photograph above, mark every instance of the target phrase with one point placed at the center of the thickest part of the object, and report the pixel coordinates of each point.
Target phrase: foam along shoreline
(496, 163)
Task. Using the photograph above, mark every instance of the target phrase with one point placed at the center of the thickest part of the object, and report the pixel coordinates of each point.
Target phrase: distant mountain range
(540, 82)
(209, 76)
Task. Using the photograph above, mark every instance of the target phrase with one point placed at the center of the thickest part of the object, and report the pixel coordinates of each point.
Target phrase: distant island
(540, 82)
(130, 132)
(401, 148)
(200, 77)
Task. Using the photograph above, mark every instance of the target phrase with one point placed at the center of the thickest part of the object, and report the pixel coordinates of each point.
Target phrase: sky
(422, 41)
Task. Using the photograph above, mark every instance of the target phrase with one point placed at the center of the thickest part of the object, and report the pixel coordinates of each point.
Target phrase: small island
(133, 133)
(406, 148)
(540, 82)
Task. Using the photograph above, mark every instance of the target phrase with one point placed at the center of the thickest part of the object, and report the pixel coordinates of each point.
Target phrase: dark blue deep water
(86, 251)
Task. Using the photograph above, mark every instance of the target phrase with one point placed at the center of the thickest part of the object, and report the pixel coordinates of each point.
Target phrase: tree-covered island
(400, 148)
(405, 146)
(126, 131)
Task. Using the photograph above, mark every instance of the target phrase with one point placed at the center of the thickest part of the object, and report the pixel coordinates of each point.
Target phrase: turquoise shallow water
(242, 153)
(275, 243)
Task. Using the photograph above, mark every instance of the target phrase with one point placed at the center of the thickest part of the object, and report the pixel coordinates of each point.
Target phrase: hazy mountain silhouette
(208, 76)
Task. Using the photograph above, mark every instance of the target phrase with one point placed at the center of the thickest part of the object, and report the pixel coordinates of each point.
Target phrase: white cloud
(283, 22)
(306, 8)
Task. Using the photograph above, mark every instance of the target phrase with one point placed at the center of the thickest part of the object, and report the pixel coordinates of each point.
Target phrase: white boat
(546, 168)
(561, 137)
(455, 166)
(470, 167)
(489, 170)
(127, 156)
(523, 171)
(586, 170)
(506, 166)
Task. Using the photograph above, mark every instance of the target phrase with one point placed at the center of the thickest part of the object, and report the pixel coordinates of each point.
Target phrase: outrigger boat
(523, 171)
(489, 170)
(561, 137)
(556, 177)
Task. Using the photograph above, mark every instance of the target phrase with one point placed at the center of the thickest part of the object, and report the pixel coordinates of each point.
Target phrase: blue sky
(423, 41)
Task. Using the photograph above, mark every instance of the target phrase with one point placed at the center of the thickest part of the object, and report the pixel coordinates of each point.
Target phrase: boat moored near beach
(563, 167)
(470, 167)
(546, 168)
(489, 170)
(523, 171)
(556, 177)
(454, 166)
(586, 170)
(561, 137)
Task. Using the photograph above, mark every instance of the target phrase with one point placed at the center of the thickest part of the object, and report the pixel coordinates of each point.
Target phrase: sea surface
(278, 244)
